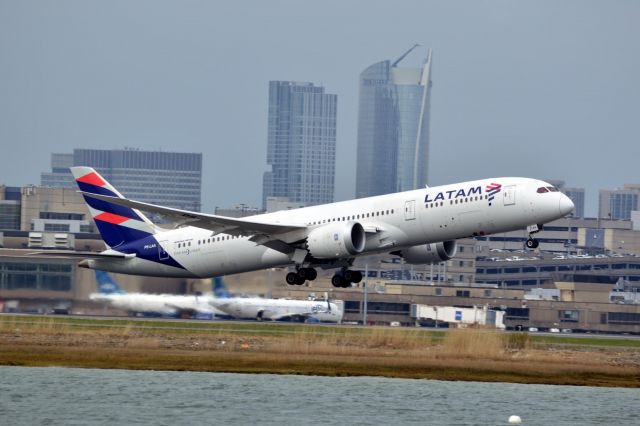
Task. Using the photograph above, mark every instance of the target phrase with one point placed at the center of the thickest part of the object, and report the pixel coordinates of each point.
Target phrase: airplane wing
(224, 306)
(214, 223)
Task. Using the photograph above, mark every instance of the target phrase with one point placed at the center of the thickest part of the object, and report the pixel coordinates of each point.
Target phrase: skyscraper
(301, 145)
(393, 127)
(172, 179)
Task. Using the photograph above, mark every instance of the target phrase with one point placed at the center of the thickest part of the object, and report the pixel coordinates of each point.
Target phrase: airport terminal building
(584, 276)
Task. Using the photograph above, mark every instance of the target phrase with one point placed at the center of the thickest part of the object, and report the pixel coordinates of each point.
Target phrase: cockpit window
(552, 189)
(542, 190)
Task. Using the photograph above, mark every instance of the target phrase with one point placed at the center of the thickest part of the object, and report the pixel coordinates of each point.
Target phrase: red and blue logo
(492, 190)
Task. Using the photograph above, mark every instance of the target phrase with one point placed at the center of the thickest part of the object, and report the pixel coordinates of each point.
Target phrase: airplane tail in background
(117, 224)
(106, 284)
(220, 290)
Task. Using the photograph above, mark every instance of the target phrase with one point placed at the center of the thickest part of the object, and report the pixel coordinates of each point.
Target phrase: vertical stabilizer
(117, 224)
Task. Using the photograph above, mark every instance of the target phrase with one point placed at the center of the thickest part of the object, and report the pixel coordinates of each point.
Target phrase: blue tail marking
(106, 284)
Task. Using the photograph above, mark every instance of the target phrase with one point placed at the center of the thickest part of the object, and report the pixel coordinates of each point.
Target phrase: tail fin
(106, 284)
(220, 289)
(118, 225)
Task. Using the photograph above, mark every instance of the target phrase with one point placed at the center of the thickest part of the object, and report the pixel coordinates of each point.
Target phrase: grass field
(465, 354)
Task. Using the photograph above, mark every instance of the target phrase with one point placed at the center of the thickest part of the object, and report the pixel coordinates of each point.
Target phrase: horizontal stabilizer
(82, 254)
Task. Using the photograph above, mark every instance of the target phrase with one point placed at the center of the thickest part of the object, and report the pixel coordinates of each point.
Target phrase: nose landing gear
(532, 243)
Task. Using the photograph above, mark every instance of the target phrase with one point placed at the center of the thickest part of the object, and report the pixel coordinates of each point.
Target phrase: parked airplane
(280, 309)
(171, 305)
(420, 225)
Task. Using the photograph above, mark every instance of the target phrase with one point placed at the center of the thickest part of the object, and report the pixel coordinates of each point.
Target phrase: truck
(452, 316)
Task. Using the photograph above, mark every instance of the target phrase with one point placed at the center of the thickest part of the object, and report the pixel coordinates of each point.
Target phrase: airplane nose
(566, 205)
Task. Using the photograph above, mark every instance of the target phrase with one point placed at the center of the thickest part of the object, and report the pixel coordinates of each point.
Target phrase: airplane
(280, 309)
(420, 225)
(166, 305)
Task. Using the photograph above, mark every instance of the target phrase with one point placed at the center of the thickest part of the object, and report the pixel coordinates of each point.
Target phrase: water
(67, 396)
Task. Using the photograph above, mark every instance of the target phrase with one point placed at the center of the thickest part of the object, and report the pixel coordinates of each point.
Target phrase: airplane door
(509, 195)
(410, 210)
(162, 253)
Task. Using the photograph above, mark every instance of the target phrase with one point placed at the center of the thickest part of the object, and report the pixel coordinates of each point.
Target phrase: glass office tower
(301, 145)
(393, 127)
(619, 203)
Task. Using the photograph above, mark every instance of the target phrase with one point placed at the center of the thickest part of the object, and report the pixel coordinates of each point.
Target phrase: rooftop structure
(172, 179)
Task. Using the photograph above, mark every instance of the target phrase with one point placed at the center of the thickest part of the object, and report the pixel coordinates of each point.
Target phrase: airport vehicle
(420, 225)
(280, 309)
(457, 316)
(166, 305)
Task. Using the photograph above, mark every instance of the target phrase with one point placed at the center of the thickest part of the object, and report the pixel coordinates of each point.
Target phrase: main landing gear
(344, 278)
(532, 243)
(301, 275)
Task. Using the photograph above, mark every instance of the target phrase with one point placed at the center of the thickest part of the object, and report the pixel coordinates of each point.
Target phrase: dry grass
(473, 343)
(465, 354)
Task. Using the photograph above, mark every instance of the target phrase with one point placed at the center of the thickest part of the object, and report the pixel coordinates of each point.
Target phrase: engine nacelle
(430, 253)
(334, 240)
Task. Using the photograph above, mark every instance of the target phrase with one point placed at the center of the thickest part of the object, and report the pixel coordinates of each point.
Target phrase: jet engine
(334, 240)
(429, 253)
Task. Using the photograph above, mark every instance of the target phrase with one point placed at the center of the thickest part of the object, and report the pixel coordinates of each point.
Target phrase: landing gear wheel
(353, 276)
(339, 281)
(292, 278)
(308, 273)
(532, 243)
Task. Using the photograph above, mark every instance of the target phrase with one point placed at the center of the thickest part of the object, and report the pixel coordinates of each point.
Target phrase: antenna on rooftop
(404, 55)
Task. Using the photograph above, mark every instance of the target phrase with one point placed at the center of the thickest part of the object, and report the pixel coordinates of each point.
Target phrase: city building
(393, 127)
(570, 235)
(241, 210)
(577, 196)
(10, 207)
(301, 143)
(172, 179)
(619, 203)
(576, 303)
(60, 175)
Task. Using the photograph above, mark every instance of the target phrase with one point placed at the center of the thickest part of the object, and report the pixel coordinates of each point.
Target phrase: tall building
(393, 127)
(619, 203)
(301, 145)
(172, 179)
(577, 196)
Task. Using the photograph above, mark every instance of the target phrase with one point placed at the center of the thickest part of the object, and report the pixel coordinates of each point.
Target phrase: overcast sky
(547, 89)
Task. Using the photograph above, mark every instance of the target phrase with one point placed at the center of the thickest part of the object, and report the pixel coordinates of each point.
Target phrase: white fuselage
(163, 304)
(279, 309)
(392, 221)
